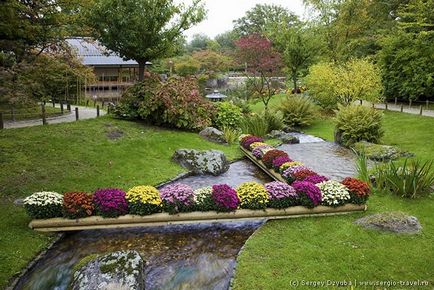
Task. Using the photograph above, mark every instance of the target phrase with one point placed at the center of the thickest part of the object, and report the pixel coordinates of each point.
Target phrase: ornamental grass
(252, 195)
(144, 200)
(77, 205)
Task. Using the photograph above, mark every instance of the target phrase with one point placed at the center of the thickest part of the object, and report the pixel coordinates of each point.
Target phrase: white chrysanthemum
(44, 198)
(201, 194)
(333, 193)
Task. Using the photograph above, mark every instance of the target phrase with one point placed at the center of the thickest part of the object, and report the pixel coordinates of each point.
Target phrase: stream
(194, 256)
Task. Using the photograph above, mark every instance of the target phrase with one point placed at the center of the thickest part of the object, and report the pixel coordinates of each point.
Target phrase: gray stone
(202, 162)
(286, 138)
(213, 135)
(396, 222)
(117, 270)
(379, 152)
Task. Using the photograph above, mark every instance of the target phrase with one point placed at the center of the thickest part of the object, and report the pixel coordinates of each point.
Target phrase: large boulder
(396, 222)
(118, 270)
(202, 162)
(285, 137)
(379, 152)
(213, 135)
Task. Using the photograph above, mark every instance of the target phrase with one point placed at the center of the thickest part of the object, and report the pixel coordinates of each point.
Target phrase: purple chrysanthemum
(278, 161)
(247, 141)
(309, 190)
(225, 197)
(177, 193)
(279, 190)
(259, 151)
(315, 179)
(110, 202)
(291, 170)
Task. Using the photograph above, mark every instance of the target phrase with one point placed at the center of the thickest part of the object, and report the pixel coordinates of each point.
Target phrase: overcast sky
(222, 12)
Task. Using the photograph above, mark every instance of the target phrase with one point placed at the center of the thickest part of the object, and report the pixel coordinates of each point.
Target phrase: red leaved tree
(263, 64)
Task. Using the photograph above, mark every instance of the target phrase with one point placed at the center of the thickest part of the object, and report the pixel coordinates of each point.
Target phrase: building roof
(94, 54)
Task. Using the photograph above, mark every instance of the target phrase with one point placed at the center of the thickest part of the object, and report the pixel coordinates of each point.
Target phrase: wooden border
(97, 222)
(271, 172)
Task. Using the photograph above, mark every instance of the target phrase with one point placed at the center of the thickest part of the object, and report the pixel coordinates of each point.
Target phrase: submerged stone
(379, 152)
(286, 138)
(396, 222)
(202, 162)
(117, 270)
(213, 135)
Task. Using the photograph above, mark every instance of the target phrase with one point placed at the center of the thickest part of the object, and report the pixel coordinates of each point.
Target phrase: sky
(221, 13)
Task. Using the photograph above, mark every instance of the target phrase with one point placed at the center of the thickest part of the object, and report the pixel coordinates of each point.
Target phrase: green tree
(260, 17)
(199, 41)
(226, 40)
(143, 30)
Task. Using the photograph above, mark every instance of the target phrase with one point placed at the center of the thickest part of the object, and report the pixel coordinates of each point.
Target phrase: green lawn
(78, 156)
(29, 113)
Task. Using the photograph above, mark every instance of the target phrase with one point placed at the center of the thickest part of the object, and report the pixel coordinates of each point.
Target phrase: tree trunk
(141, 70)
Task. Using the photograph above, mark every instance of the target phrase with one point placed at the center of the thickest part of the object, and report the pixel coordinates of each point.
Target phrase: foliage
(254, 124)
(230, 135)
(258, 19)
(44, 205)
(123, 27)
(199, 41)
(175, 103)
(227, 115)
(77, 204)
(263, 62)
(226, 40)
(412, 179)
(225, 197)
(143, 200)
(248, 140)
(110, 202)
(309, 194)
(298, 111)
(203, 199)
(274, 120)
(357, 123)
(252, 195)
(330, 84)
(280, 195)
(212, 61)
(362, 167)
(177, 197)
(359, 190)
(186, 65)
(333, 193)
(269, 157)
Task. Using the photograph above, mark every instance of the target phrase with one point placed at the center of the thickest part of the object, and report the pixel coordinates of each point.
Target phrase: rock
(213, 135)
(396, 222)
(283, 136)
(202, 162)
(379, 152)
(118, 270)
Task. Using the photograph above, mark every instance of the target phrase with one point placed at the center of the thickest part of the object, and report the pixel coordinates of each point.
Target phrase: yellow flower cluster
(252, 195)
(257, 144)
(286, 165)
(144, 194)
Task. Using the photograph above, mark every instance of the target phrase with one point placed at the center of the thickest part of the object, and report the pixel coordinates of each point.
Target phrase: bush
(357, 123)
(254, 124)
(174, 103)
(230, 135)
(413, 179)
(77, 205)
(274, 121)
(359, 190)
(252, 195)
(177, 197)
(228, 115)
(280, 195)
(333, 193)
(110, 202)
(298, 111)
(269, 157)
(44, 205)
(225, 197)
(308, 193)
(143, 200)
(203, 199)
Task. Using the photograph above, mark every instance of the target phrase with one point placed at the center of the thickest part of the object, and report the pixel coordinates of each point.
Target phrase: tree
(297, 46)
(212, 61)
(330, 84)
(226, 40)
(143, 30)
(262, 63)
(259, 17)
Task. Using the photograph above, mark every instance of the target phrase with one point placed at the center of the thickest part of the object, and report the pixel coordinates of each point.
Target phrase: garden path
(406, 109)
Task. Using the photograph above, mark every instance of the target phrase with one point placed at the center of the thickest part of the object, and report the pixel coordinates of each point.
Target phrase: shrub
(286, 165)
(110, 202)
(254, 124)
(143, 200)
(333, 193)
(259, 151)
(280, 195)
(298, 111)
(268, 157)
(315, 179)
(177, 197)
(279, 161)
(203, 199)
(359, 190)
(412, 179)
(357, 123)
(248, 140)
(44, 205)
(274, 121)
(252, 195)
(308, 193)
(228, 115)
(77, 205)
(225, 197)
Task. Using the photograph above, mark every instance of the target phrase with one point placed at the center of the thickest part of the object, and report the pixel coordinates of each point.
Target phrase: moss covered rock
(379, 152)
(396, 222)
(202, 162)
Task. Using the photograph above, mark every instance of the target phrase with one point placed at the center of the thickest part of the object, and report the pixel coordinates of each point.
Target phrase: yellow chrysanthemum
(144, 194)
(286, 165)
(252, 195)
(257, 144)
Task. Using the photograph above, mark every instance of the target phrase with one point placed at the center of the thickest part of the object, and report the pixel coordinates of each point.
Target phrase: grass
(79, 156)
(29, 113)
